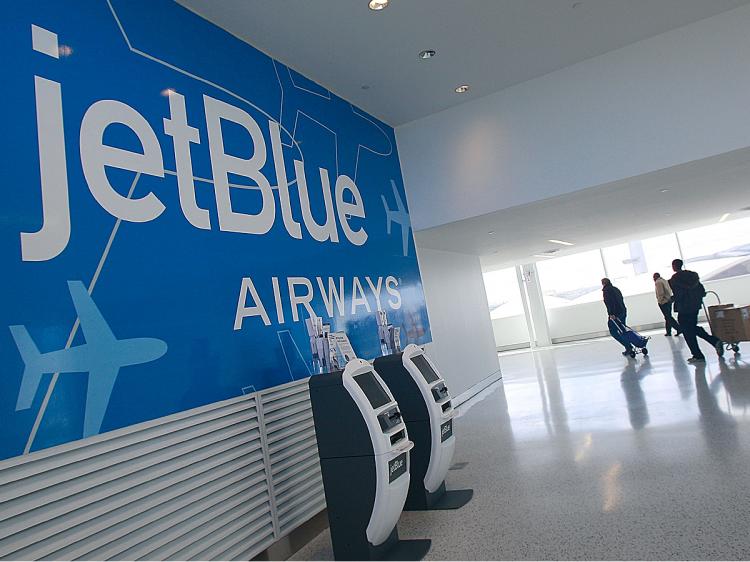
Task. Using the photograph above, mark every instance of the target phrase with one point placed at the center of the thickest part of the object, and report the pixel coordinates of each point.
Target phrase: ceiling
(488, 44)
(699, 192)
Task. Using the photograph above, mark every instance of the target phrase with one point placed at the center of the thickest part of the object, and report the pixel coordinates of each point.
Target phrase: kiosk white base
(419, 498)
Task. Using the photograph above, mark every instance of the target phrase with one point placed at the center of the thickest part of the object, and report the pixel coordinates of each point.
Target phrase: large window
(631, 266)
(571, 280)
(503, 293)
(571, 285)
(718, 251)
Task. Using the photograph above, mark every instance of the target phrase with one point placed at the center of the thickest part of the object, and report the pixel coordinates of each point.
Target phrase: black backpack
(696, 294)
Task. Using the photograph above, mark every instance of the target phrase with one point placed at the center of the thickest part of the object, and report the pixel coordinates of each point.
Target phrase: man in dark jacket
(688, 299)
(616, 310)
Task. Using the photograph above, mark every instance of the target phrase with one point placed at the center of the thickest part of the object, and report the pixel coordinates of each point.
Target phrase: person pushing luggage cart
(618, 314)
(688, 300)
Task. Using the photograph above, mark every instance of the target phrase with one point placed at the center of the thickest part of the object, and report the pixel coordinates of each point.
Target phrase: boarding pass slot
(398, 436)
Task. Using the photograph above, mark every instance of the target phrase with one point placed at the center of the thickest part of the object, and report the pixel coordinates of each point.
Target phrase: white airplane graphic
(399, 216)
(101, 356)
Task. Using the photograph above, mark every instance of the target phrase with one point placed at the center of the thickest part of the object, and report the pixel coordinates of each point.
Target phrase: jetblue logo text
(97, 156)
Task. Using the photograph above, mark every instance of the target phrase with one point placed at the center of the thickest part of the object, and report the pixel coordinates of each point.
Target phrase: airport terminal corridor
(581, 454)
(277, 273)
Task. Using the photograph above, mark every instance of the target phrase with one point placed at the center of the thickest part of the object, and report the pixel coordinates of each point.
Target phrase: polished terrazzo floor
(582, 454)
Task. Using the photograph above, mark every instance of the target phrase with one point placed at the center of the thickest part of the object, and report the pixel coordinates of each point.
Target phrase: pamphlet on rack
(341, 349)
(319, 344)
(344, 346)
(389, 335)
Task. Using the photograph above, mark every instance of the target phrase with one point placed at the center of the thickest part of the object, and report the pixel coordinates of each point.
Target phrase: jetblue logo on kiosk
(446, 431)
(207, 198)
(396, 467)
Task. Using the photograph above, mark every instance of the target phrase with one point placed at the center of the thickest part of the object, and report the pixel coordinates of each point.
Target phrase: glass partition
(503, 293)
(571, 280)
(718, 251)
(506, 308)
(631, 266)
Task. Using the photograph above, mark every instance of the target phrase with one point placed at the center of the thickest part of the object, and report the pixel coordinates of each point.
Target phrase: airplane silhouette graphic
(399, 215)
(102, 356)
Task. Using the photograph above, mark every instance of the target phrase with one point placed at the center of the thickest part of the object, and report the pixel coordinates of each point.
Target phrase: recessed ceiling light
(426, 54)
(377, 5)
(665, 190)
(561, 242)
(724, 217)
(462, 89)
(491, 232)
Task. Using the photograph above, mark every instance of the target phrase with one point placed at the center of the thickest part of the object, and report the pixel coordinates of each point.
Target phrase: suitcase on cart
(635, 339)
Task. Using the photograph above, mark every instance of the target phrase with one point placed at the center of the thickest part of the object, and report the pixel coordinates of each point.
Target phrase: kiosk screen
(372, 389)
(424, 367)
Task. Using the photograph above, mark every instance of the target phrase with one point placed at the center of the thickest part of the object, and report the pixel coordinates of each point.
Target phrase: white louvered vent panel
(206, 491)
(54, 501)
(192, 482)
(293, 454)
(95, 452)
(220, 482)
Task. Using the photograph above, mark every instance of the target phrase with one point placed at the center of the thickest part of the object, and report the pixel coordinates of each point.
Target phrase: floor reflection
(681, 370)
(567, 389)
(719, 428)
(630, 381)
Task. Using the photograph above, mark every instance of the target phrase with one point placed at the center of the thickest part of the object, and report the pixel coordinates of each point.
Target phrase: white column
(536, 314)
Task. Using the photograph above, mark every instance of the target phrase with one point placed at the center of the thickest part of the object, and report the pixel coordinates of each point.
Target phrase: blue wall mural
(175, 205)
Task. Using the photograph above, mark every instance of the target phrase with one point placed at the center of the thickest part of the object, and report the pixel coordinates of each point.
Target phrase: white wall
(510, 331)
(463, 343)
(591, 318)
(667, 100)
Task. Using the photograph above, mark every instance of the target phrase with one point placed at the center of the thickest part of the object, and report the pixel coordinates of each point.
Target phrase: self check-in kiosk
(364, 455)
(427, 409)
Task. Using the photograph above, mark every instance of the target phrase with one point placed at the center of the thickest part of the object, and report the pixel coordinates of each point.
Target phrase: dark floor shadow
(630, 381)
(682, 373)
(719, 428)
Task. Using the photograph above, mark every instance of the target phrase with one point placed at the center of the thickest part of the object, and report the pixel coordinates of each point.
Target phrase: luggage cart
(636, 340)
(733, 346)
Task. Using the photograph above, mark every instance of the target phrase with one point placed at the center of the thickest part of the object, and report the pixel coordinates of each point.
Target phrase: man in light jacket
(664, 298)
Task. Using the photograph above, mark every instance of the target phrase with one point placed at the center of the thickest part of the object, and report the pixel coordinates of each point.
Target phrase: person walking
(664, 298)
(688, 299)
(616, 310)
